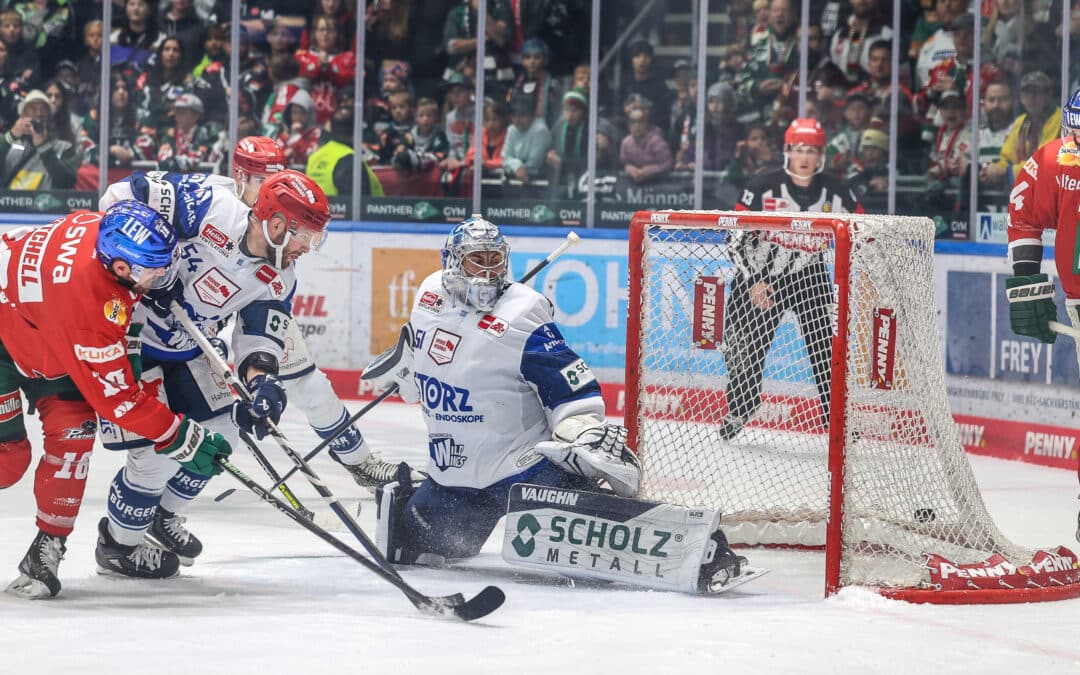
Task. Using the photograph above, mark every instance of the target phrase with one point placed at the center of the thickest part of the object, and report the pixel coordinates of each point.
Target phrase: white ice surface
(268, 596)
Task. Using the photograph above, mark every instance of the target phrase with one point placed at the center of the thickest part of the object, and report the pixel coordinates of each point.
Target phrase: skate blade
(109, 572)
(28, 589)
(748, 575)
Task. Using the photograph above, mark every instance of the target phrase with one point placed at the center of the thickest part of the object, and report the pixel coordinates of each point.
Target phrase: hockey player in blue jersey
(255, 158)
(233, 260)
(507, 401)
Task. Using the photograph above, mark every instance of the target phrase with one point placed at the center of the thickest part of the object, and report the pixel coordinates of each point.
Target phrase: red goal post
(809, 404)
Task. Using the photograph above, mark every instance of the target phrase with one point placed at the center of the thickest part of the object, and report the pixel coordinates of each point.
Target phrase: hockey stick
(274, 475)
(571, 239)
(489, 598)
(485, 602)
(1063, 329)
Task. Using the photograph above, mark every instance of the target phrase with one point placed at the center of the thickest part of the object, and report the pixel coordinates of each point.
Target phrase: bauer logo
(708, 324)
(883, 357)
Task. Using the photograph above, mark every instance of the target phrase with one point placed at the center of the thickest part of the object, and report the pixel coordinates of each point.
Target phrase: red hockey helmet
(301, 202)
(255, 157)
(342, 69)
(804, 131)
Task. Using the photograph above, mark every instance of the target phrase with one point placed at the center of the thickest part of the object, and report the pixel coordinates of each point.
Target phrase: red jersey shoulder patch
(493, 324)
(269, 276)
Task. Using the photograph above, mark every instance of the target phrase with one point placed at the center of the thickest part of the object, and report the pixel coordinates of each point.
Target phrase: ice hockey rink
(266, 594)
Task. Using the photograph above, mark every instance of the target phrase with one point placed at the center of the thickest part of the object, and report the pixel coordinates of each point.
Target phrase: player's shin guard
(131, 509)
(391, 538)
(60, 480)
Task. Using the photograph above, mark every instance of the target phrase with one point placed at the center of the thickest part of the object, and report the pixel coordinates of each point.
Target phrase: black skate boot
(37, 579)
(371, 473)
(721, 567)
(142, 561)
(168, 532)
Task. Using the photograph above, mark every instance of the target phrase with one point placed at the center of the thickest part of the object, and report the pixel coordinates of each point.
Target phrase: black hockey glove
(1031, 306)
(268, 400)
(159, 300)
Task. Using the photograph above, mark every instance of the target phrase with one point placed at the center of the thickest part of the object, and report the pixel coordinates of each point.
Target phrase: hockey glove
(1031, 306)
(196, 448)
(394, 366)
(268, 400)
(159, 300)
(586, 446)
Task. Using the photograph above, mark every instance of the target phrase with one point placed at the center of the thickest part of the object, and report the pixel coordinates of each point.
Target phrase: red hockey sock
(70, 427)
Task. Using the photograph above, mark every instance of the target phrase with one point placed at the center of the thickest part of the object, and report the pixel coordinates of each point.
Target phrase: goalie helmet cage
(883, 484)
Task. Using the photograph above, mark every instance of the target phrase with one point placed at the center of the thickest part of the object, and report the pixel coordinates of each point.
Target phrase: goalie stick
(1064, 329)
(571, 239)
(483, 603)
(489, 599)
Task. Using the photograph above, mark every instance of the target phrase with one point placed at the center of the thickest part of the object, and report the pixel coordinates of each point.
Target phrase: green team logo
(542, 214)
(46, 202)
(424, 211)
(527, 528)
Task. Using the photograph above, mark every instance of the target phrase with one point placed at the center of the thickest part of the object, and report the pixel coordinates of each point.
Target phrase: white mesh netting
(708, 435)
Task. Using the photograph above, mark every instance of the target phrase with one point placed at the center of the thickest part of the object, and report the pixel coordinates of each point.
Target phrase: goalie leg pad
(592, 535)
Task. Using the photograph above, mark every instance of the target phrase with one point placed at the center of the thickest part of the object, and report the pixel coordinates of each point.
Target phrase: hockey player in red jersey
(777, 272)
(1046, 196)
(69, 291)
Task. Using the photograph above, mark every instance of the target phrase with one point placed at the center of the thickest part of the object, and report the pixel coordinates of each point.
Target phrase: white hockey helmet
(476, 264)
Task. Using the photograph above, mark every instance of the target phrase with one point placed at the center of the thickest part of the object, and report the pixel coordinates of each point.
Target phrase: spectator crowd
(169, 88)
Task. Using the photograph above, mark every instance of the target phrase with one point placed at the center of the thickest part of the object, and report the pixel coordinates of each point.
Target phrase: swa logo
(525, 541)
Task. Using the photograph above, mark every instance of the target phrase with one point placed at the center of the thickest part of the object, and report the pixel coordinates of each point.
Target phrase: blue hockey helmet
(133, 232)
(1070, 117)
(476, 264)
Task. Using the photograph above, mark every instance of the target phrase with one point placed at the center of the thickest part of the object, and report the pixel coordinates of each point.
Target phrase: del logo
(431, 302)
(214, 288)
(708, 323)
(100, 354)
(443, 346)
(270, 277)
(883, 357)
(527, 528)
(216, 238)
(493, 325)
(116, 311)
(445, 453)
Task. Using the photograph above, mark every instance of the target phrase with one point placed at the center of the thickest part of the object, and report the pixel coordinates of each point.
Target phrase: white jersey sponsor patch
(443, 345)
(214, 288)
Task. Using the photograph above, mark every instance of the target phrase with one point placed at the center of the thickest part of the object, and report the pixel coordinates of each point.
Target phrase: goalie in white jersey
(506, 401)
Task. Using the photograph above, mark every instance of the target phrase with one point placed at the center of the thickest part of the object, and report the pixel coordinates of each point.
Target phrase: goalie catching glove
(196, 448)
(588, 446)
(1031, 306)
(394, 367)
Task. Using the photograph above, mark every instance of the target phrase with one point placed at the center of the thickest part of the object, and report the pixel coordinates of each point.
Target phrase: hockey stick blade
(480, 605)
(450, 606)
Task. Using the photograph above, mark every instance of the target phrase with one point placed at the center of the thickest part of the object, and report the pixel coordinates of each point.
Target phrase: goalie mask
(476, 260)
(1070, 119)
(802, 134)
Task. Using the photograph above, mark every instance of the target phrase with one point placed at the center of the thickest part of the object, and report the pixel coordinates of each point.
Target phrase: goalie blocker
(593, 535)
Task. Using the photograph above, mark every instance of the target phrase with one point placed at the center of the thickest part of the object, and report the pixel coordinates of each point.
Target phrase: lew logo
(214, 288)
(883, 357)
(1049, 445)
(708, 324)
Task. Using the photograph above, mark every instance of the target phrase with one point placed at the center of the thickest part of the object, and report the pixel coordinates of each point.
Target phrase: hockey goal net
(813, 412)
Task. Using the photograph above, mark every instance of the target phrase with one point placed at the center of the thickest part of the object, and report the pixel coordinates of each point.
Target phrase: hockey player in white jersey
(256, 158)
(506, 402)
(233, 260)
